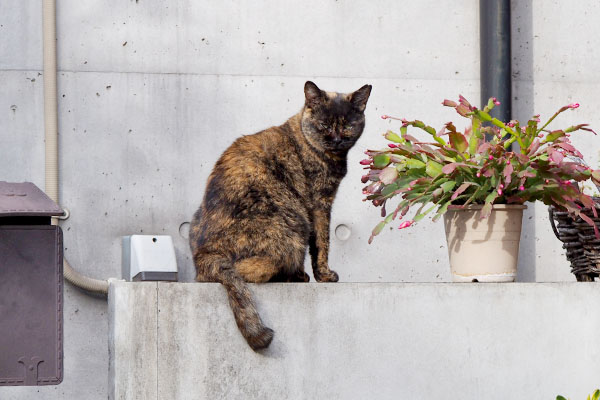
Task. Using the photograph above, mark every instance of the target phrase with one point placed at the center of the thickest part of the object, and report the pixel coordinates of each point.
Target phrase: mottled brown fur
(269, 196)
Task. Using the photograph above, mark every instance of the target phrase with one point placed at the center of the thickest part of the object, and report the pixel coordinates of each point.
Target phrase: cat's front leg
(319, 247)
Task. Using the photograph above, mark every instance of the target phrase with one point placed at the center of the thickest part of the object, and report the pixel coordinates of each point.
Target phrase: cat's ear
(360, 97)
(313, 94)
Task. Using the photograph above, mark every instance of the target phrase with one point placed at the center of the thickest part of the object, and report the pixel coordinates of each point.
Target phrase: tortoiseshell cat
(269, 196)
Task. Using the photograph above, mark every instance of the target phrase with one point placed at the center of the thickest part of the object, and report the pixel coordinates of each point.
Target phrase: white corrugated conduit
(51, 136)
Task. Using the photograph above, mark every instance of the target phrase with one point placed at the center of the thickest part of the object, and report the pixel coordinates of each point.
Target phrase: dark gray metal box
(31, 287)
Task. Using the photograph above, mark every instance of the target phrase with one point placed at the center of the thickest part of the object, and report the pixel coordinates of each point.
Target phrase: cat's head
(334, 121)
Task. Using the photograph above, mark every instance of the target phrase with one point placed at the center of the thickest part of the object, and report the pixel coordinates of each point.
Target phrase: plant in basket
(478, 182)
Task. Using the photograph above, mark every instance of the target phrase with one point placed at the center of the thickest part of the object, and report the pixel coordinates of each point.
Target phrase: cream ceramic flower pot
(484, 250)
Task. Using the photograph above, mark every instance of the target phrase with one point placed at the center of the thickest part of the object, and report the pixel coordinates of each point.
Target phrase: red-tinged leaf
(587, 202)
(411, 138)
(570, 148)
(508, 170)
(589, 221)
(589, 130)
(484, 147)
(527, 174)
(458, 142)
(534, 146)
(488, 173)
(596, 175)
(449, 168)
(460, 190)
(523, 159)
(556, 156)
(450, 126)
(388, 175)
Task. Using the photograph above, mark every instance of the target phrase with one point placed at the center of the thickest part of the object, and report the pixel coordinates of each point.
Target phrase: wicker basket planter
(581, 244)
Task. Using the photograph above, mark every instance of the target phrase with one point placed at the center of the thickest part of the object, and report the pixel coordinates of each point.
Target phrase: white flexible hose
(51, 137)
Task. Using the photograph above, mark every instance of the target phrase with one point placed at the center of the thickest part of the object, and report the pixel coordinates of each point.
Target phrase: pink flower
(521, 188)
(385, 117)
(547, 180)
(365, 162)
(499, 192)
(478, 174)
(392, 145)
(507, 161)
(501, 186)
(541, 135)
(495, 100)
(490, 157)
(573, 105)
(406, 224)
(511, 124)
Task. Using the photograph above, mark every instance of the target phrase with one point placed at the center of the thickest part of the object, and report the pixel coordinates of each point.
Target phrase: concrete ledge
(357, 341)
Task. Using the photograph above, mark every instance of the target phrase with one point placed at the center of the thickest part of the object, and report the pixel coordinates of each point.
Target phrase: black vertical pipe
(494, 35)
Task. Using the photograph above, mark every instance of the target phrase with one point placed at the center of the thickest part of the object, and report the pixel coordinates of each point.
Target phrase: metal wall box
(31, 288)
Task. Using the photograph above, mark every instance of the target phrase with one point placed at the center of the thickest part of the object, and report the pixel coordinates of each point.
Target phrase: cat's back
(250, 159)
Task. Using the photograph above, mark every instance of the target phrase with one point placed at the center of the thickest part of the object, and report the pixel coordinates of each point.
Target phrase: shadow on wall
(523, 109)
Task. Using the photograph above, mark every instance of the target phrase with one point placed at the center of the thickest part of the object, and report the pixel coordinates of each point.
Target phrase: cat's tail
(246, 316)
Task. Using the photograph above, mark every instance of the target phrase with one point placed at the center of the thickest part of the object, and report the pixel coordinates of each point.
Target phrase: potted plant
(478, 183)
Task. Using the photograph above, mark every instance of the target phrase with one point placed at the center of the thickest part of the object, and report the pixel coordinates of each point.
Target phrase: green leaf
(552, 136)
(377, 230)
(389, 189)
(458, 142)
(393, 137)
(596, 395)
(403, 130)
(420, 216)
(448, 186)
(482, 115)
(433, 168)
(381, 160)
(411, 163)
(442, 210)
(487, 208)
(559, 397)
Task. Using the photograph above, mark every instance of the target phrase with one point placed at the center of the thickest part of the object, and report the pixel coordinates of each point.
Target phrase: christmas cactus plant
(477, 166)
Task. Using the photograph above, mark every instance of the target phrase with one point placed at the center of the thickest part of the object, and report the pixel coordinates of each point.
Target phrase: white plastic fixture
(149, 258)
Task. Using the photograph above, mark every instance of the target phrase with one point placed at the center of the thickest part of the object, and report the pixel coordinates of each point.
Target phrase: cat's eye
(322, 125)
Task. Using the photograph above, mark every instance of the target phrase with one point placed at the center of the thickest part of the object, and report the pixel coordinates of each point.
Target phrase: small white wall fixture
(149, 258)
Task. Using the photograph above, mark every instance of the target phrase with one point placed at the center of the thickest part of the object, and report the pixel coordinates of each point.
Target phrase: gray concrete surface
(358, 341)
(146, 106)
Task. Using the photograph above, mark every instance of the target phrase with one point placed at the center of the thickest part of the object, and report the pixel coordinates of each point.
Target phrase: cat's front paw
(299, 276)
(326, 276)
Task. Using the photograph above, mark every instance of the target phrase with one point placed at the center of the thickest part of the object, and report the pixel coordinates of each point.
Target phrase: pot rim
(499, 207)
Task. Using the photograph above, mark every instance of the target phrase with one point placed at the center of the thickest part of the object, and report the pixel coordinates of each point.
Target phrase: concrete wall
(151, 92)
(358, 341)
